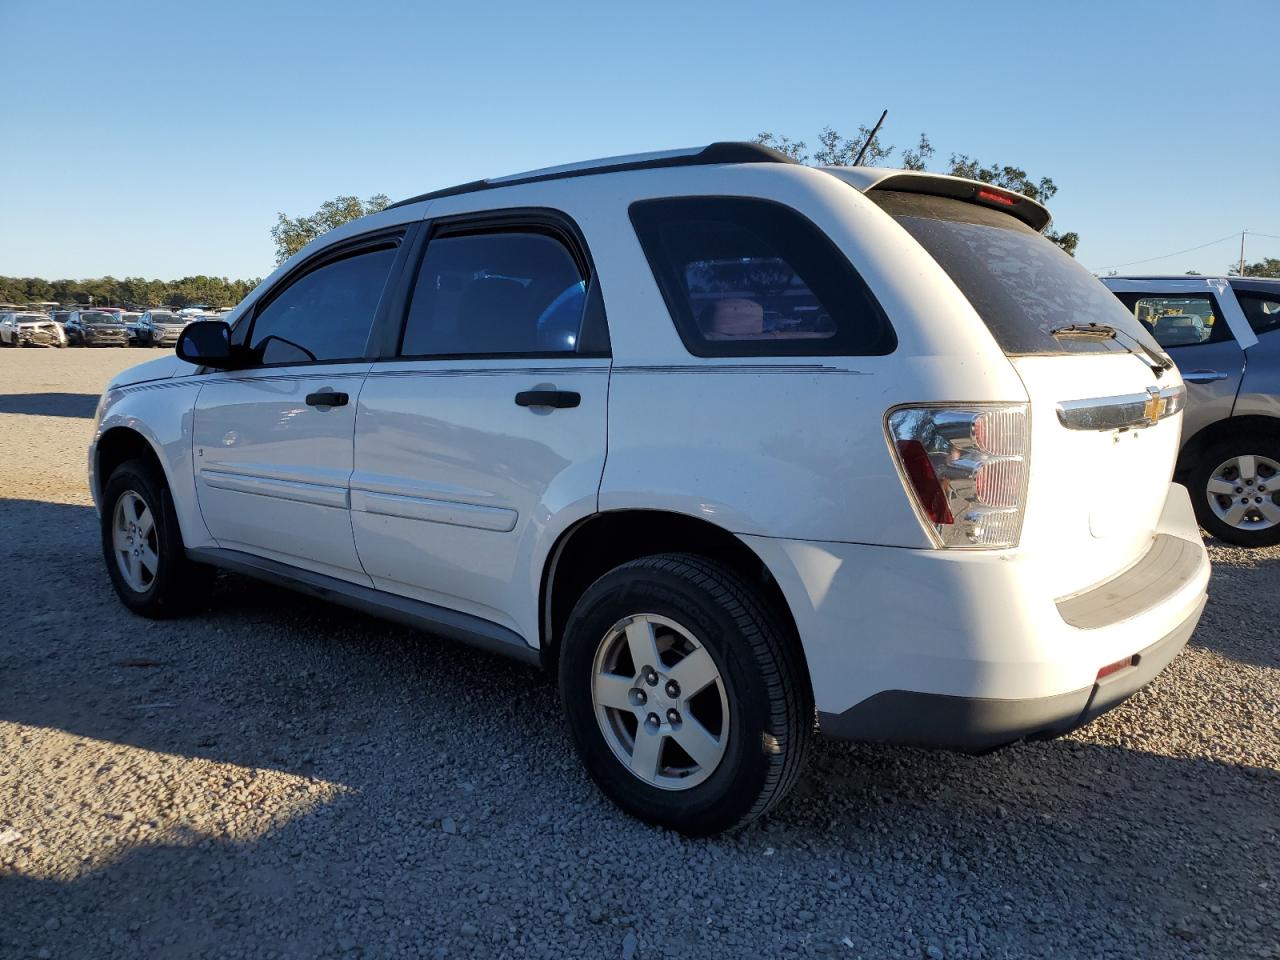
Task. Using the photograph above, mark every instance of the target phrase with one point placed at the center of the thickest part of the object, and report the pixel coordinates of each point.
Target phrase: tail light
(965, 467)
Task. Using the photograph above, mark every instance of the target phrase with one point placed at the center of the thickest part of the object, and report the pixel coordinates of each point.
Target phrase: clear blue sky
(160, 139)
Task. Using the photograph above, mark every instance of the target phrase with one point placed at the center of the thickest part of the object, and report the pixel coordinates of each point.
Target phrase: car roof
(1256, 284)
(719, 152)
(1259, 284)
(862, 179)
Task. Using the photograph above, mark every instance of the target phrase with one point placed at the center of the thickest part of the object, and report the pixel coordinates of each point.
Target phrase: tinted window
(1023, 286)
(1181, 320)
(1262, 310)
(325, 314)
(495, 293)
(746, 277)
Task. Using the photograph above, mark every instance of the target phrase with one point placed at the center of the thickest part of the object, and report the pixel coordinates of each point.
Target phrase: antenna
(874, 130)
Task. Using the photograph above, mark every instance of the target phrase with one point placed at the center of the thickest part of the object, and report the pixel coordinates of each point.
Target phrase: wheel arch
(596, 544)
(117, 445)
(1219, 430)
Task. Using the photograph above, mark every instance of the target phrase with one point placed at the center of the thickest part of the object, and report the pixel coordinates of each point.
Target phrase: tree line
(127, 292)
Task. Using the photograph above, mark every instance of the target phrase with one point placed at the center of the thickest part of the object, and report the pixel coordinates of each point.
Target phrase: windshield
(98, 318)
(1023, 286)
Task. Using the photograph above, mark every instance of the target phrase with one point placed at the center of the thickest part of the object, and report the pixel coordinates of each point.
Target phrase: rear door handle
(327, 398)
(1204, 376)
(560, 399)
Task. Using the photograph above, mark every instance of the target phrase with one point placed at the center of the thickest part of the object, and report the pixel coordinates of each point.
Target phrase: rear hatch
(1104, 397)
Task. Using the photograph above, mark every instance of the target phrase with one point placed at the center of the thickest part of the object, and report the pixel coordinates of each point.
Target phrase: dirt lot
(279, 778)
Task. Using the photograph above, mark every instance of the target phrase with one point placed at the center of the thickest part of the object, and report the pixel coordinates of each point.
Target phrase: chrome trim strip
(1128, 411)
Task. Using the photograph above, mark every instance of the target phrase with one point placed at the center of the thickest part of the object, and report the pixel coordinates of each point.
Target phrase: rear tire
(750, 725)
(142, 545)
(1235, 487)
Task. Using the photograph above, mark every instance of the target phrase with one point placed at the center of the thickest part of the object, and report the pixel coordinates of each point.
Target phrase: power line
(1176, 253)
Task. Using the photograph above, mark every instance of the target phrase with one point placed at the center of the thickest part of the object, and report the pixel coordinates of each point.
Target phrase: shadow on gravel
(462, 783)
(80, 405)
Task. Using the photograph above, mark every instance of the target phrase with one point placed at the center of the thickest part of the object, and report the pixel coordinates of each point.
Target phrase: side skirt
(462, 627)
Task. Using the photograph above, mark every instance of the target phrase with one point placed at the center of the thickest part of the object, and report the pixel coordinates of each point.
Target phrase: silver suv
(1224, 335)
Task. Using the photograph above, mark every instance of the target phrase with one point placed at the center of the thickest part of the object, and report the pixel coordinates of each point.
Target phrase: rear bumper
(973, 649)
(976, 725)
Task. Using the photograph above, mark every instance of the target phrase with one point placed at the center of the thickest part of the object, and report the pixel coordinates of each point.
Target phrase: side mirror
(207, 344)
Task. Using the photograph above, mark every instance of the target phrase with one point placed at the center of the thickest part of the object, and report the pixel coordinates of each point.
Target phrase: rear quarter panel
(783, 447)
(1260, 390)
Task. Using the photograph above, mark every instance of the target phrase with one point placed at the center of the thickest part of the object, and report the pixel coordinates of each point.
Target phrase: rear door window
(1262, 310)
(1021, 285)
(1179, 320)
(494, 293)
(745, 277)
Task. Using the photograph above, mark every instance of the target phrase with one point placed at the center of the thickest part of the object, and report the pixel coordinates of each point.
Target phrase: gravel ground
(280, 778)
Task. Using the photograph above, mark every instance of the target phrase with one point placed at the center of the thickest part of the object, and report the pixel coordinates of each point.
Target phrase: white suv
(729, 443)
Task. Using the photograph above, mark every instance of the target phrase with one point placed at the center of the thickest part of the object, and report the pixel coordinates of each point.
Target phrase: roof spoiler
(1016, 205)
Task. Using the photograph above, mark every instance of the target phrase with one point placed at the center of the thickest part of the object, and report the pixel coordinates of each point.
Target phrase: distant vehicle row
(99, 327)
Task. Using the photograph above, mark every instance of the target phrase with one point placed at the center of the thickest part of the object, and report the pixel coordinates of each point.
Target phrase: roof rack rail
(726, 151)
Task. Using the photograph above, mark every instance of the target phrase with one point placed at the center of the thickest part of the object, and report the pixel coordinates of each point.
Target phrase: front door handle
(560, 399)
(1203, 376)
(327, 398)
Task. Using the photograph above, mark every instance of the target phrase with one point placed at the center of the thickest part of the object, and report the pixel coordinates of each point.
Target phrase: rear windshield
(1023, 286)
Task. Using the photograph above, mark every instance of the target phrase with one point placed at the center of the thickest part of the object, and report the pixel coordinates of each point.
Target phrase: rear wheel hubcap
(1242, 492)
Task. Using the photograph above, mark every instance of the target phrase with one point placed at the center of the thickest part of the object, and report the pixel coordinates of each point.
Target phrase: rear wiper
(1101, 331)
(1085, 331)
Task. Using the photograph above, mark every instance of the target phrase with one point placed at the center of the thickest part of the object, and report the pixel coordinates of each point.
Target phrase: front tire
(1236, 490)
(688, 702)
(142, 545)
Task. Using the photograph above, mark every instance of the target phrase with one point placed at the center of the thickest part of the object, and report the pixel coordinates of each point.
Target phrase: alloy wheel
(660, 702)
(135, 541)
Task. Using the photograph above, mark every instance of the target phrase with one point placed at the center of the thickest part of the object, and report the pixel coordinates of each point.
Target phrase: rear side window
(1262, 310)
(501, 292)
(1023, 286)
(1184, 320)
(752, 278)
(327, 313)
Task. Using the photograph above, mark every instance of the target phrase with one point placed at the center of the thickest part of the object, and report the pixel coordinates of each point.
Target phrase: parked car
(131, 320)
(892, 507)
(30, 329)
(159, 328)
(1222, 333)
(96, 328)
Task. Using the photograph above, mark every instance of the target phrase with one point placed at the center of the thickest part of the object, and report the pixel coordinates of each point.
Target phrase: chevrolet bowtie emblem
(1154, 407)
